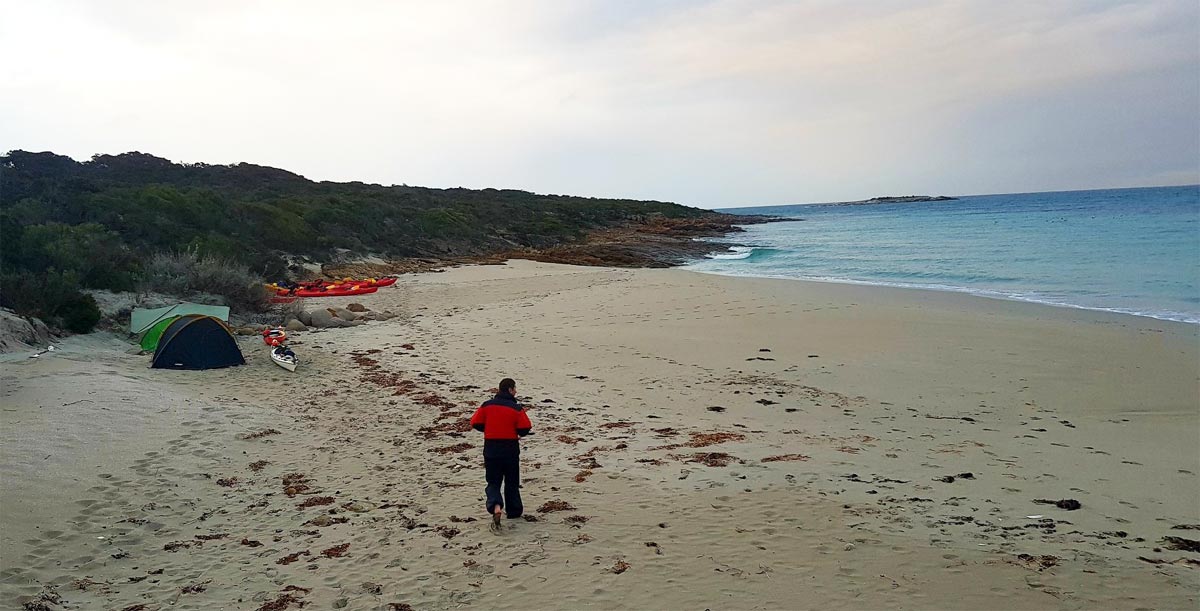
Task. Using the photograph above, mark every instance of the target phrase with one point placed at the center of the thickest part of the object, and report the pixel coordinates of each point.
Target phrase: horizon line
(850, 201)
(616, 197)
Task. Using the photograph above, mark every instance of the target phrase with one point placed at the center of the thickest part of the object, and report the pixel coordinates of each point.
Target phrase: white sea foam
(735, 252)
(1007, 296)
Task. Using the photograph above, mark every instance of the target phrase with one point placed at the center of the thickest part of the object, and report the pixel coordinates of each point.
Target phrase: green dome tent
(151, 336)
(149, 324)
(197, 342)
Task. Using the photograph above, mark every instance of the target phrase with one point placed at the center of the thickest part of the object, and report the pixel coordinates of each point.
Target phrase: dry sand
(659, 399)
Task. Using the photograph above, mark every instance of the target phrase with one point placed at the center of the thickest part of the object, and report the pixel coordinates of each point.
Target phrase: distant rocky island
(898, 199)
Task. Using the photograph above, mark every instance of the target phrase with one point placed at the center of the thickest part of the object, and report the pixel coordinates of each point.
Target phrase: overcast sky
(711, 104)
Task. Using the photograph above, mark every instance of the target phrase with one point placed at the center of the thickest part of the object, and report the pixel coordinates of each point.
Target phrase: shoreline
(1191, 319)
(720, 440)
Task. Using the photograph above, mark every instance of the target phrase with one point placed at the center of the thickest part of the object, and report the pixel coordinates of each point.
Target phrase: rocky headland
(188, 229)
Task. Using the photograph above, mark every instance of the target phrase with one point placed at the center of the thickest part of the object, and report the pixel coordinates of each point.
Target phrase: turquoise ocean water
(1134, 251)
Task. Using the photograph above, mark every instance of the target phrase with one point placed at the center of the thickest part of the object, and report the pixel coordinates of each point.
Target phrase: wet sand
(700, 441)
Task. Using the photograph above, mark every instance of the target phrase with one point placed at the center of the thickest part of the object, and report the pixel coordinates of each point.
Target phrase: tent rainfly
(149, 340)
(142, 319)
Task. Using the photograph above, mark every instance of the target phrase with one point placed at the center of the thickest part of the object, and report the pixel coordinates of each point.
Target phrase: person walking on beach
(503, 421)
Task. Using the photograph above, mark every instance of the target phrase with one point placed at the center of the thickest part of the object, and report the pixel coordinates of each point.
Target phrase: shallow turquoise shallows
(1134, 251)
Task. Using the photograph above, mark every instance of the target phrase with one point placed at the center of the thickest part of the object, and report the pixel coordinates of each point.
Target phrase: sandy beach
(699, 442)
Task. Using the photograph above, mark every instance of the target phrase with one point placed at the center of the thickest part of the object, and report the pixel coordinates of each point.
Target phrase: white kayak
(284, 357)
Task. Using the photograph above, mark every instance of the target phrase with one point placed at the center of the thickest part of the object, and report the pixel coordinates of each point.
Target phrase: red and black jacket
(502, 421)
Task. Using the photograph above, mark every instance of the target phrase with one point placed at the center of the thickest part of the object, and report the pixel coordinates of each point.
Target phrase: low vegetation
(130, 221)
(188, 273)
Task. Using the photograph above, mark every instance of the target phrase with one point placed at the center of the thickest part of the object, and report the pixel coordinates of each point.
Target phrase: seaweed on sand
(453, 428)
(195, 588)
(436, 400)
(1180, 543)
(295, 483)
(326, 520)
(290, 558)
(555, 505)
(260, 434)
(448, 532)
(458, 447)
(282, 603)
(708, 459)
(364, 361)
(1038, 563)
(703, 440)
(337, 551)
(315, 501)
(175, 546)
(617, 425)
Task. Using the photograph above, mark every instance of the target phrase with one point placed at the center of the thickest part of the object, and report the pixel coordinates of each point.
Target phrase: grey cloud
(712, 104)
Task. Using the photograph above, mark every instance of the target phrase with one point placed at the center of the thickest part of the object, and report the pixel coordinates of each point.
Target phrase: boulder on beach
(20, 333)
(344, 314)
(294, 325)
(357, 307)
(331, 317)
(320, 319)
(324, 319)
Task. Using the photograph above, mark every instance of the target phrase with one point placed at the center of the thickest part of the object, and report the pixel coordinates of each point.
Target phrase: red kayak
(348, 291)
(340, 283)
(274, 337)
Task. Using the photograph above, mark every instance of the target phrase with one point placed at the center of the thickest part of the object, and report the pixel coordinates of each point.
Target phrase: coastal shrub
(79, 313)
(52, 296)
(241, 288)
(252, 213)
(444, 222)
(166, 273)
(189, 272)
(93, 254)
(280, 227)
(68, 225)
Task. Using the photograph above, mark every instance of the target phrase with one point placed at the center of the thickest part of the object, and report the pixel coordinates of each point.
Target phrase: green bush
(190, 272)
(79, 313)
(90, 252)
(50, 296)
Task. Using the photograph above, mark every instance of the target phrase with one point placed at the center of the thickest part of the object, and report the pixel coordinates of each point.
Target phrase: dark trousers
(503, 469)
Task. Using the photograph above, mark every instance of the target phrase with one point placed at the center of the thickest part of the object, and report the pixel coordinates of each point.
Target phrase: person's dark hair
(507, 385)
